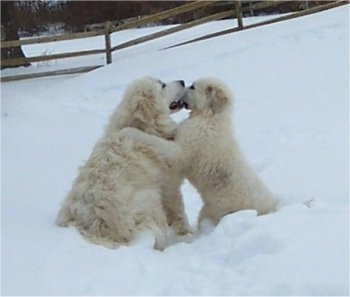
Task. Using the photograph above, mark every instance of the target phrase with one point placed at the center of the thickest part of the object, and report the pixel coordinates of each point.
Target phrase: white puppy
(213, 162)
(126, 184)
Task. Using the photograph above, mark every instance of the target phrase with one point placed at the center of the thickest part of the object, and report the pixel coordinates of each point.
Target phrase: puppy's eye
(163, 85)
(192, 87)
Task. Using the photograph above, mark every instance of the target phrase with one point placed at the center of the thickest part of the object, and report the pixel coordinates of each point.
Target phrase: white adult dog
(213, 162)
(126, 185)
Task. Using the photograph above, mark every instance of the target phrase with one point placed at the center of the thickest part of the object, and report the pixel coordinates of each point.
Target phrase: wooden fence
(111, 27)
(274, 20)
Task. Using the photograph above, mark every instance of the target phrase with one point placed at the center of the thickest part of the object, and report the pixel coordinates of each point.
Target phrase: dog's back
(106, 202)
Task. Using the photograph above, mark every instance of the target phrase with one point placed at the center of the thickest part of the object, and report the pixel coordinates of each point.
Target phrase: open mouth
(178, 104)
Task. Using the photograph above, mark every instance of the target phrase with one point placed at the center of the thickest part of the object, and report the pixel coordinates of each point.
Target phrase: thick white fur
(126, 184)
(213, 162)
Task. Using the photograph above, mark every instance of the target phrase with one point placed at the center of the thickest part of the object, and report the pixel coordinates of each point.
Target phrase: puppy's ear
(218, 98)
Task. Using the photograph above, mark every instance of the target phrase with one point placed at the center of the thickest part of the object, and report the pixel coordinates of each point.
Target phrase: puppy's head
(150, 102)
(207, 96)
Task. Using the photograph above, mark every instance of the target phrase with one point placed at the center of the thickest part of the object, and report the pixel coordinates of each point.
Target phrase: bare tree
(9, 31)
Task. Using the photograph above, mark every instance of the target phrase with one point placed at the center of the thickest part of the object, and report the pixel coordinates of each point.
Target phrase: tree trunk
(9, 31)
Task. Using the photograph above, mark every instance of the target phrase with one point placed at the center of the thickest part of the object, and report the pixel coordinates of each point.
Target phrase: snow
(291, 83)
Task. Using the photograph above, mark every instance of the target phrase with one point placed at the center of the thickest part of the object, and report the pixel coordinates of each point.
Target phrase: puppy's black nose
(181, 82)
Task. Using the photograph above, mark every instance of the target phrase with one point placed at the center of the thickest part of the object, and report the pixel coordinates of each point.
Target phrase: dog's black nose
(182, 83)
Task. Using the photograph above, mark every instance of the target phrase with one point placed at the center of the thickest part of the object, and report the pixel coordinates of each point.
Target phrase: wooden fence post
(108, 43)
(238, 10)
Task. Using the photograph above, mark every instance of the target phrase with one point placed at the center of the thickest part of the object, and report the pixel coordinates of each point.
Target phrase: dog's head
(150, 102)
(207, 96)
(153, 95)
(172, 93)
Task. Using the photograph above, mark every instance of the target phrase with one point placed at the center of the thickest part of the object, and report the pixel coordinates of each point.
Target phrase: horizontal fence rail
(178, 28)
(51, 73)
(46, 39)
(165, 14)
(12, 62)
(111, 27)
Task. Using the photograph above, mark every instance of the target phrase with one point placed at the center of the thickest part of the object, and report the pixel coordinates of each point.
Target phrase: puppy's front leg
(174, 206)
(168, 149)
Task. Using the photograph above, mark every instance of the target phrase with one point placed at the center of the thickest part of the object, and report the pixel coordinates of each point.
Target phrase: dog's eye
(163, 85)
(192, 87)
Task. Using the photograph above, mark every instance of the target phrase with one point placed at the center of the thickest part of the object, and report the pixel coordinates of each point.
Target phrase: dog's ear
(146, 105)
(144, 110)
(149, 117)
(218, 98)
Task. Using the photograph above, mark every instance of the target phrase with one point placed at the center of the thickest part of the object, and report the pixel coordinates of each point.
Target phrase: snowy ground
(291, 82)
